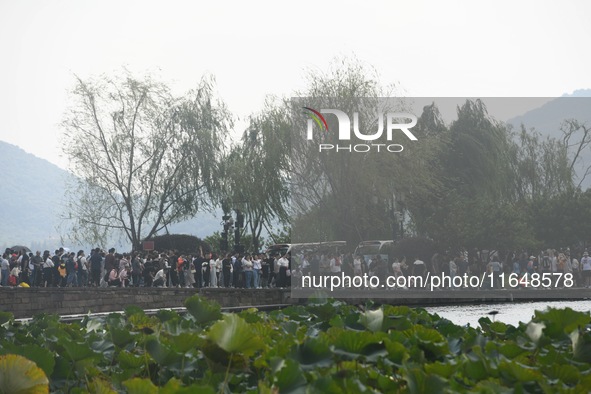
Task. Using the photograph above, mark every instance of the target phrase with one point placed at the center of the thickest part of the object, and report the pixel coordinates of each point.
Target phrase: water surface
(510, 313)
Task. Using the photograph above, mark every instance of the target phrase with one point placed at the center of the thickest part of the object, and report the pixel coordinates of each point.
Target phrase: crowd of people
(150, 269)
(517, 264)
(172, 269)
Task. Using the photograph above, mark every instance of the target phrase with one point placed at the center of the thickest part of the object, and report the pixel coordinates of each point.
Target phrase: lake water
(510, 313)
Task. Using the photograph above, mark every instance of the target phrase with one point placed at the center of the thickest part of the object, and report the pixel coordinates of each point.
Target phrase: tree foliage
(144, 157)
(352, 196)
(256, 172)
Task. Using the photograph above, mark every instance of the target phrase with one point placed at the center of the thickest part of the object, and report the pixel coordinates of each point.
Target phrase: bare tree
(576, 136)
(144, 158)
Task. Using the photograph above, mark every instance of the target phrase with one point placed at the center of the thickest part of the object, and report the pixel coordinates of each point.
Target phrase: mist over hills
(31, 198)
(548, 120)
(32, 201)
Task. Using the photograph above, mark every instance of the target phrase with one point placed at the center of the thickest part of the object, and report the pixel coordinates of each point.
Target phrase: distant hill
(32, 199)
(548, 118)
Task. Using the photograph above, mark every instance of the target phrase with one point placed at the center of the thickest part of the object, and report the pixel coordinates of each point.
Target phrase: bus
(370, 249)
(335, 247)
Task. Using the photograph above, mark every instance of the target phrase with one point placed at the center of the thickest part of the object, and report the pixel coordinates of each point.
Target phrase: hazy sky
(253, 48)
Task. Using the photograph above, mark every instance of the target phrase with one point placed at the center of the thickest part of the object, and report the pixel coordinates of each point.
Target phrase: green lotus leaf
(337, 321)
(251, 315)
(290, 327)
(581, 345)
(475, 370)
(325, 385)
(324, 312)
(202, 310)
(165, 315)
(449, 329)
(313, 353)
(498, 327)
(420, 382)
(120, 336)
(161, 353)
(234, 335)
(186, 341)
(430, 341)
(218, 360)
(561, 322)
(568, 374)
(129, 360)
(263, 330)
(174, 386)
(19, 375)
(397, 352)
(133, 310)
(77, 351)
(519, 372)
(142, 322)
(99, 386)
(354, 344)
(140, 386)
(510, 350)
(445, 370)
(5, 317)
(288, 377)
(491, 386)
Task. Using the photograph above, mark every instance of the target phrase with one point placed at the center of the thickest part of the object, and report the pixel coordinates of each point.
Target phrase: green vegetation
(325, 347)
(147, 159)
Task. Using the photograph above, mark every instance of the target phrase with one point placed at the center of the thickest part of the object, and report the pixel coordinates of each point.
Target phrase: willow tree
(144, 157)
(349, 195)
(257, 170)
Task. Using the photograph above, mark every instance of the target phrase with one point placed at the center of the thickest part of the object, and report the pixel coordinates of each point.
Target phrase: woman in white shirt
(256, 266)
(213, 278)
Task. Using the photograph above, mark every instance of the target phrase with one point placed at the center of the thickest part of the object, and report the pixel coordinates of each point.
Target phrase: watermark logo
(395, 121)
(318, 118)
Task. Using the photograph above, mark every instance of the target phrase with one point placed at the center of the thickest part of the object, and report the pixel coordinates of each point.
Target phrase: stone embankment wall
(27, 302)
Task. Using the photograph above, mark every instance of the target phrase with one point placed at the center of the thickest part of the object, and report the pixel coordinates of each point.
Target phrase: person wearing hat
(586, 269)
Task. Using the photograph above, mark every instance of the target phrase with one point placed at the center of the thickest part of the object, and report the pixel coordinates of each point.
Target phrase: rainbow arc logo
(318, 118)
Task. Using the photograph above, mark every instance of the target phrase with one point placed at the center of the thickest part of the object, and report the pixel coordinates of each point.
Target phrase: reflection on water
(510, 313)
